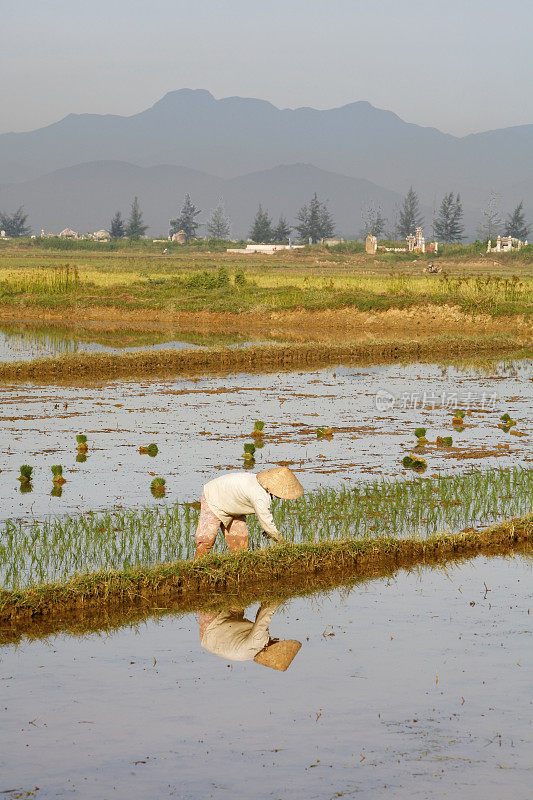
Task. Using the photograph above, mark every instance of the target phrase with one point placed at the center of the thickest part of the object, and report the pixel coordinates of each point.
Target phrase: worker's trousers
(236, 533)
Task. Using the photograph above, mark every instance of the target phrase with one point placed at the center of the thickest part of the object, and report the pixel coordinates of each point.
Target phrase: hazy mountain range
(78, 171)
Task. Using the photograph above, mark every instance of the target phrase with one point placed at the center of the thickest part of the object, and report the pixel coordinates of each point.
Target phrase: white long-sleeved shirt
(231, 636)
(239, 493)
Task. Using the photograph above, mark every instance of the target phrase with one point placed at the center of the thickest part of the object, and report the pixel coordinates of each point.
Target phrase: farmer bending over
(227, 500)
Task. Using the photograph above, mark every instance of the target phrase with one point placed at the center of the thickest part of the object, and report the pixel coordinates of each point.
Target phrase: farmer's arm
(260, 634)
(264, 614)
(264, 515)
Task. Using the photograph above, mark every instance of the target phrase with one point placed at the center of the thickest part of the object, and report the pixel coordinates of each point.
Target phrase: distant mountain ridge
(85, 197)
(237, 136)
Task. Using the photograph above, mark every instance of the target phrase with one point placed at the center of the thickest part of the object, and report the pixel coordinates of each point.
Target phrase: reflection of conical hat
(278, 655)
(281, 482)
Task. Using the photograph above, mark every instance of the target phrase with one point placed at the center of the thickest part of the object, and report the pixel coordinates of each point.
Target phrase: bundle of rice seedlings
(506, 422)
(420, 434)
(444, 441)
(414, 462)
(57, 472)
(249, 451)
(151, 450)
(157, 486)
(82, 443)
(324, 433)
(25, 474)
(257, 432)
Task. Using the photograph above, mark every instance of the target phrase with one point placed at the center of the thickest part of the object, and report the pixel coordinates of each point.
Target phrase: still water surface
(27, 343)
(418, 686)
(200, 426)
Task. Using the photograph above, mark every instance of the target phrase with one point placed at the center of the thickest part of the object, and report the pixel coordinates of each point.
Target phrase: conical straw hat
(278, 655)
(281, 482)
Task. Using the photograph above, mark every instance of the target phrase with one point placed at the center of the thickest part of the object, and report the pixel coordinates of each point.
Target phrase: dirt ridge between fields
(243, 577)
(294, 323)
(76, 368)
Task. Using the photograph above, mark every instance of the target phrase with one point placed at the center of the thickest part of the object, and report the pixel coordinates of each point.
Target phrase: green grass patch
(196, 278)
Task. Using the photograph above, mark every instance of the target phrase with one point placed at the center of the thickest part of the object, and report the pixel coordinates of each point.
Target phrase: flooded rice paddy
(200, 426)
(415, 686)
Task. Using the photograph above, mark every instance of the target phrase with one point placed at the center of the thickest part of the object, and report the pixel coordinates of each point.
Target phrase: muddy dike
(264, 358)
(110, 599)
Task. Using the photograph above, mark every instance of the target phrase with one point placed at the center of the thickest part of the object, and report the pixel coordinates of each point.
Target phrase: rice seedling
(81, 458)
(444, 441)
(81, 439)
(506, 422)
(257, 432)
(57, 491)
(420, 434)
(324, 433)
(25, 474)
(152, 450)
(248, 455)
(415, 462)
(57, 472)
(32, 553)
(157, 487)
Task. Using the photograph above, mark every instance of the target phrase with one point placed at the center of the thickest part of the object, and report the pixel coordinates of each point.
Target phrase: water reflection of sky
(200, 426)
(413, 686)
(19, 344)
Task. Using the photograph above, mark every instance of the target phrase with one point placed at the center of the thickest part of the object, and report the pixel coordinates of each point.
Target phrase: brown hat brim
(278, 655)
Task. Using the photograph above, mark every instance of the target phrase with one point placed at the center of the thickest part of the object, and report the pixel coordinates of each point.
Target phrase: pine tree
(409, 216)
(117, 228)
(15, 224)
(373, 220)
(491, 221)
(282, 231)
(135, 227)
(448, 225)
(262, 230)
(516, 225)
(218, 226)
(186, 220)
(314, 221)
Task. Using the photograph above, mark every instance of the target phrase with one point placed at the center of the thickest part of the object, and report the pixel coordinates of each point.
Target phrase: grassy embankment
(111, 557)
(354, 306)
(314, 279)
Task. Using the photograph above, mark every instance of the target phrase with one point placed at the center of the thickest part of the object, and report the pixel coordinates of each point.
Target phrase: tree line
(313, 221)
(447, 223)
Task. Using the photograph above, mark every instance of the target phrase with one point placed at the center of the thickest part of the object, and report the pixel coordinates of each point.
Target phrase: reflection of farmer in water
(229, 635)
(227, 500)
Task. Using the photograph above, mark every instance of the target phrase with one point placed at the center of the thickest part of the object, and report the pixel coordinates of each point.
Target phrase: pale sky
(459, 65)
